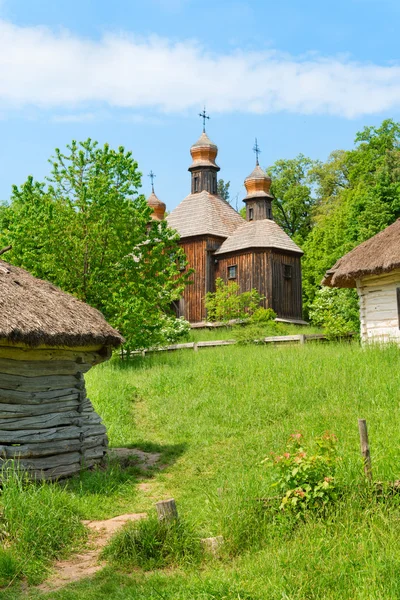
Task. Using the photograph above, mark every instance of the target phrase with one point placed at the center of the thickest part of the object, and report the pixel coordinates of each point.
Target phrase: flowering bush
(174, 329)
(306, 480)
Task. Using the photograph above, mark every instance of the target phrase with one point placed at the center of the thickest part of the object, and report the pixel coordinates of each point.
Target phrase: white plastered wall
(379, 311)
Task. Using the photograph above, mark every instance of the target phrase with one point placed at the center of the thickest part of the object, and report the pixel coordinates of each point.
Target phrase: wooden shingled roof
(204, 214)
(259, 234)
(33, 312)
(379, 254)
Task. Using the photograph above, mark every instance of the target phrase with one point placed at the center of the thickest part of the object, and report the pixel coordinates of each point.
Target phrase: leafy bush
(336, 310)
(152, 544)
(263, 315)
(306, 481)
(39, 523)
(227, 304)
(174, 330)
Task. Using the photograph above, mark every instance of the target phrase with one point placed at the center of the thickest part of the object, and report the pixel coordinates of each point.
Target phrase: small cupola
(204, 169)
(259, 199)
(158, 207)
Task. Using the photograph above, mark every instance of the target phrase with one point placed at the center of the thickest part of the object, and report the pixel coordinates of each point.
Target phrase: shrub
(174, 330)
(263, 315)
(336, 310)
(227, 304)
(152, 544)
(306, 481)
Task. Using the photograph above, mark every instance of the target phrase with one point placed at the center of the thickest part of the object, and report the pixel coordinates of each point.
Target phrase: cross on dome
(204, 116)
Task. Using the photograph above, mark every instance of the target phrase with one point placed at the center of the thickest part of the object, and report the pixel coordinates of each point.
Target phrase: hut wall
(47, 423)
(380, 307)
(199, 254)
(264, 270)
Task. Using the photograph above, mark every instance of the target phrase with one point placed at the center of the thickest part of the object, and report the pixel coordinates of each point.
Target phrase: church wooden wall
(199, 254)
(264, 270)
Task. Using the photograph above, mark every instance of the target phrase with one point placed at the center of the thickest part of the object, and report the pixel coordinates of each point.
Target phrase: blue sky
(299, 76)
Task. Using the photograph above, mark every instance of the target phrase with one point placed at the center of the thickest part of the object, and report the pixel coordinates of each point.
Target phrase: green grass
(230, 332)
(214, 415)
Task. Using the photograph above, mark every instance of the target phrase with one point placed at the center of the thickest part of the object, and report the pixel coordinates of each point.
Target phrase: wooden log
(56, 472)
(91, 453)
(213, 344)
(30, 410)
(167, 510)
(93, 441)
(18, 397)
(39, 384)
(40, 422)
(50, 355)
(49, 462)
(364, 444)
(46, 435)
(40, 450)
(41, 369)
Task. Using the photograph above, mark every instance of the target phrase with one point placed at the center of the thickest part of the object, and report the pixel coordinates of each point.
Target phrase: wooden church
(218, 242)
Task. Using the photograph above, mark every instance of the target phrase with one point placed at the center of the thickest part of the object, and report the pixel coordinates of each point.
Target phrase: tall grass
(38, 524)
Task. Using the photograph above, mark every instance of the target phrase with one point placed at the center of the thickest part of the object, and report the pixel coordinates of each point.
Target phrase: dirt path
(87, 563)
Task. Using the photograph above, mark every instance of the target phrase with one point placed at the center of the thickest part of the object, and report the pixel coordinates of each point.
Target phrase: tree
(227, 303)
(88, 231)
(294, 201)
(223, 189)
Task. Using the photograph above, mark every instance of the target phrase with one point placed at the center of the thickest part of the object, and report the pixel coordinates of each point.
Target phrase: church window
(251, 214)
(232, 270)
(269, 213)
(287, 271)
(196, 184)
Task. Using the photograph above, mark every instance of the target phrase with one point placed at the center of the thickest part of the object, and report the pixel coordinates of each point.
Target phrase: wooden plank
(39, 384)
(40, 450)
(49, 462)
(11, 411)
(17, 397)
(57, 472)
(40, 369)
(50, 354)
(46, 435)
(93, 453)
(215, 343)
(40, 422)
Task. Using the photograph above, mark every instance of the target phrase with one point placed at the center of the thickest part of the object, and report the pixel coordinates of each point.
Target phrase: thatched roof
(264, 233)
(36, 312)
(379, 254)
(204, 213)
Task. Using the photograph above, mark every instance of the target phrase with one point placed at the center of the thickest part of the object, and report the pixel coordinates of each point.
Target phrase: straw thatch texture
(36, 312)
(379, 254)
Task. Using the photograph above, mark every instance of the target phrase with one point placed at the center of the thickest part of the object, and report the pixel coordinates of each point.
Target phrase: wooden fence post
(195, 347)
(362, 428)
(166, 510)
(302, 338)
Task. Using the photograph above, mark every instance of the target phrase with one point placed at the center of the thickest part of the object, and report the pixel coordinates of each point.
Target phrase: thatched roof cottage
(373, 268)
(48, 340)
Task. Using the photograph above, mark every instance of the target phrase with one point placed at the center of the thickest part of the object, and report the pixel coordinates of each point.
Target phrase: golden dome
(157, 206)
(258, 183)
(204, 152)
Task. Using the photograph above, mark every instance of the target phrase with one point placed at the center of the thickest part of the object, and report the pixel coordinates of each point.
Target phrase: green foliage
(175, 330)
(307, 481)
(89, 233)
(227, 303)
(39, 523)
(294, 199)
(263, 315)
(151, 544)
(223, 189)
(336, 311)
(358, 195)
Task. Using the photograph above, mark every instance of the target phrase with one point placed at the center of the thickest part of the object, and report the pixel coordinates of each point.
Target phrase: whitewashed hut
(48, 340)
(373, 268)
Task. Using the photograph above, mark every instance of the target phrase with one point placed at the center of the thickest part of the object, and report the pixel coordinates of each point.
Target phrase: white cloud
(57, 70)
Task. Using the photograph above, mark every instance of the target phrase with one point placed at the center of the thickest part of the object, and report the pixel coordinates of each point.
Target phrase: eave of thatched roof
(379, 254)
(35, 312)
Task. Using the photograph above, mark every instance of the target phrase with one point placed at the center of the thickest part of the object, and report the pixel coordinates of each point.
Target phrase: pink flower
(286, 455)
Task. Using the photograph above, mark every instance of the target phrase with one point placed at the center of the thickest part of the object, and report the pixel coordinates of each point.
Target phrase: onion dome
(258, 183)
(157, 207)
(204, 152)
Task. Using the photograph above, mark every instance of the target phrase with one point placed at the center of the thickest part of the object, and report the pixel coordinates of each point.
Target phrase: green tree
(88, 231)
(227, 303)
(358, 195)
(223, 189)
(294, 200)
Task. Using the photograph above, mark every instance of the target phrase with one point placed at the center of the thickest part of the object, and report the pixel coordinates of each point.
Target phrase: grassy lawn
(215, 415)
(230, 332)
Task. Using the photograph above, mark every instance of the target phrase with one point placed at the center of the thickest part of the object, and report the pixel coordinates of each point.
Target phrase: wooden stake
(195, 347)
(166, 510)
(362, 428)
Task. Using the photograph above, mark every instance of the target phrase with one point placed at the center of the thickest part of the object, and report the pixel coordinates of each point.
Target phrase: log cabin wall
(267, 271)
(199, 254)
(47, 423)
(286, 290)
